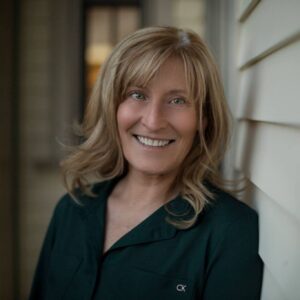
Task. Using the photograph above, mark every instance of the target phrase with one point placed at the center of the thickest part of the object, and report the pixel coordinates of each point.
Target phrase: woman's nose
(154, 116)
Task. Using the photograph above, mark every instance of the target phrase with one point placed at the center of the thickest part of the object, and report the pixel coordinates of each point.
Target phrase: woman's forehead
(141, 72)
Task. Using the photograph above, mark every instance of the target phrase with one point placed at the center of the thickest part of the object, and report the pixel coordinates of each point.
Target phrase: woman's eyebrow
(169, 92)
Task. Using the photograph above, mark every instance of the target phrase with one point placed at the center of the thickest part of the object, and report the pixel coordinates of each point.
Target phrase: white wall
(265, 97)
(268, 146)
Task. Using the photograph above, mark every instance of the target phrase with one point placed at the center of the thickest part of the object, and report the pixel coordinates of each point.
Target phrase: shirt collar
(154, 228)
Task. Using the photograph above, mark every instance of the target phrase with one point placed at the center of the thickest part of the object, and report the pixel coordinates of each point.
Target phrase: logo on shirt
(181, 287)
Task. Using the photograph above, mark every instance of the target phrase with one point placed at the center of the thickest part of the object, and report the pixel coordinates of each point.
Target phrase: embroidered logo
(181, 287)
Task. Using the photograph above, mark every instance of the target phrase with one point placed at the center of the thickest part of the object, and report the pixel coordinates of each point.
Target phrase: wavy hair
(135, 61)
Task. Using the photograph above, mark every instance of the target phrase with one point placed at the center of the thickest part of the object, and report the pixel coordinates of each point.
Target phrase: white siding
(269, 90)
(270, 288)
(268, 140)
(266, 146)
(270, 25)
(269, 155)
(279, 243)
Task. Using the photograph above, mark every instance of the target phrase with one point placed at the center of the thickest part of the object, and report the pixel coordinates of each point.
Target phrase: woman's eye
(137, 96)
(178, 101)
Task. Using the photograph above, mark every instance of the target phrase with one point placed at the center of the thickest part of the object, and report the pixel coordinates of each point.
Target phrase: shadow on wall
(246, 127)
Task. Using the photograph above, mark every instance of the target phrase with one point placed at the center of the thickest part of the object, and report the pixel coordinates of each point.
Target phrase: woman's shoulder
(226, 209)
(227, 206)
(80, 200)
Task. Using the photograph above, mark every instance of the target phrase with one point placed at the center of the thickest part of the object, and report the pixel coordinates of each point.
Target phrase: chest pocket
(136, 284)
(61, 272)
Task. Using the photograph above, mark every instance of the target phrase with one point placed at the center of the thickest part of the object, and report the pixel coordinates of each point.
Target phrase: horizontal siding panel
(271, 22)
(279, 242)
(269, 155)
(271, 289)
(269, 91)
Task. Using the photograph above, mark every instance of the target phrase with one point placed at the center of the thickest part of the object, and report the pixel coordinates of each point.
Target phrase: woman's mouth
(150, 142)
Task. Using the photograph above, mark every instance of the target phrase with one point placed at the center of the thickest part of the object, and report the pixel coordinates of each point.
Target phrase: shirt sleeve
(235, 271)
(39, 279)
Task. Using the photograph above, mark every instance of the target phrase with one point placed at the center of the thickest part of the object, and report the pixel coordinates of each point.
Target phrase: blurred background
(51, 52)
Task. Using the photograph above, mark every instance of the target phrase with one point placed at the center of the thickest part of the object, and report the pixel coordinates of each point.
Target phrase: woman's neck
(139, 189)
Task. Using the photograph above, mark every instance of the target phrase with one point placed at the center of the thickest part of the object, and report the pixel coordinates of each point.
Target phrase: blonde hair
(135, 61)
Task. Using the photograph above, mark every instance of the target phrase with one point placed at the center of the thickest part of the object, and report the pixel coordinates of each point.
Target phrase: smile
(152, 142)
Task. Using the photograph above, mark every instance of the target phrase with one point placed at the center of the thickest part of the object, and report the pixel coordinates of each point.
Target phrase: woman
(158, 224)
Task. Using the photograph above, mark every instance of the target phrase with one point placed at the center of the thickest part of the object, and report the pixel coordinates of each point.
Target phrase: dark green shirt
(216, 259)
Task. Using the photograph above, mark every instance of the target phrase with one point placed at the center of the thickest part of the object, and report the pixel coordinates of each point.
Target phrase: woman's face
(157, 123)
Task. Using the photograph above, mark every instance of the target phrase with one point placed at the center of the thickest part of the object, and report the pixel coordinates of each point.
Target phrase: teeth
(151, 142)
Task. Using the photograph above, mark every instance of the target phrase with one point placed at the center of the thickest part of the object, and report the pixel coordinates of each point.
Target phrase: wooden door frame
(9, 153)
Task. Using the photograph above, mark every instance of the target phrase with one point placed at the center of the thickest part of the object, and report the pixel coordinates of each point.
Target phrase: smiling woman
(157, 224)
(158, 124)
